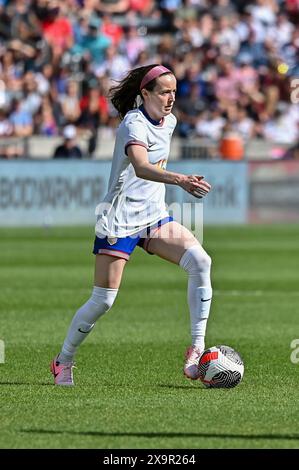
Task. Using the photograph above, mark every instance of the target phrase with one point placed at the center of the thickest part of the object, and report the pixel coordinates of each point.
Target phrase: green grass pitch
(130, 391)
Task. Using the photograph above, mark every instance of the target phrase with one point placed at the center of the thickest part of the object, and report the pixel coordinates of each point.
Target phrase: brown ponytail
(124, 95)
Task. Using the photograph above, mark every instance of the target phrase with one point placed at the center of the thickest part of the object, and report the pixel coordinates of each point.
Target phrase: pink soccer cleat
(63, 373)
(191, 365)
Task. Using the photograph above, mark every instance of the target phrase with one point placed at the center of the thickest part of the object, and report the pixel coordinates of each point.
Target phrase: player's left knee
(196, 260)
(206, 262)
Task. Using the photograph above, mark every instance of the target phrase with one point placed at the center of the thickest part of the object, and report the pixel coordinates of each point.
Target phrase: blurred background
(237, 68)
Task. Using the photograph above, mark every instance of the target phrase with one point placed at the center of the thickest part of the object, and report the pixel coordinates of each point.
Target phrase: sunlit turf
(130, 391)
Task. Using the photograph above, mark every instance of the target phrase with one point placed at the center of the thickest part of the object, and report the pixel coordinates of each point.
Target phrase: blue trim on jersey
(128, 244)
(153, 121)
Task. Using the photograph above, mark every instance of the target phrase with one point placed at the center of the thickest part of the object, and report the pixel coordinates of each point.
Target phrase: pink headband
(152, 74)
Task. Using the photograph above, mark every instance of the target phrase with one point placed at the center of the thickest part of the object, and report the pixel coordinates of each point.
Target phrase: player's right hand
(195, 185)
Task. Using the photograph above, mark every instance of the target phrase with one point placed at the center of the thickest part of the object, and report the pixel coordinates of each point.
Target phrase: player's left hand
(203, 187)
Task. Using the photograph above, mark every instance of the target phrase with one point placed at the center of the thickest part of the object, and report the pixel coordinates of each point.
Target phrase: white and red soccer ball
(220, 367)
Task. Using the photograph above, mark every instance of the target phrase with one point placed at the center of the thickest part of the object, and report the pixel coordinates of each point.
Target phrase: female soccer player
(134, 213)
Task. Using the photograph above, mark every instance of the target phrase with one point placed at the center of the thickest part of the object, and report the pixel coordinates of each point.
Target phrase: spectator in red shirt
(143, 7)
(111, 30)
(94, 108)
(57, 28)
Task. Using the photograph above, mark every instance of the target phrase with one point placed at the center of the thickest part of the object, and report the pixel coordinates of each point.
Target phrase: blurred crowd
(234, 61)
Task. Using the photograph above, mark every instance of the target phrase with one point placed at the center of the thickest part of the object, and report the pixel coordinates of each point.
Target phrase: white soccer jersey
(132, 203)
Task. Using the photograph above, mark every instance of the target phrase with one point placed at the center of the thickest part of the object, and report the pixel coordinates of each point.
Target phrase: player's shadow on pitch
(292, 437)
(194, 386)
(15, 382)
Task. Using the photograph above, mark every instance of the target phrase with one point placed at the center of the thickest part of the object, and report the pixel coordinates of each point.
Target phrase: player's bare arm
(193, 184)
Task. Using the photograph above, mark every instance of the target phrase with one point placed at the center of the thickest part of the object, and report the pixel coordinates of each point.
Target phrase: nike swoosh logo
(79, 329)
(150, 145)
(206, 300)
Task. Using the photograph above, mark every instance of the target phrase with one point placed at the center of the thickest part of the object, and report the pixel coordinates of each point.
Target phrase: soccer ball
(220, 367)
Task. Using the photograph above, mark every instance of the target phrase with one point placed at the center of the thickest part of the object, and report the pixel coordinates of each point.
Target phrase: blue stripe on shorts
(124, 247)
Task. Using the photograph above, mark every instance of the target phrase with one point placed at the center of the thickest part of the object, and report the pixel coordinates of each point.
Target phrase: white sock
(84, 320)
(197, 263)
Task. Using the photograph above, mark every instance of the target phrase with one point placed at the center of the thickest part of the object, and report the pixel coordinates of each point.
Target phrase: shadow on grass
(26, 383)
(292, 437)
(105, 385)
(195, 386)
